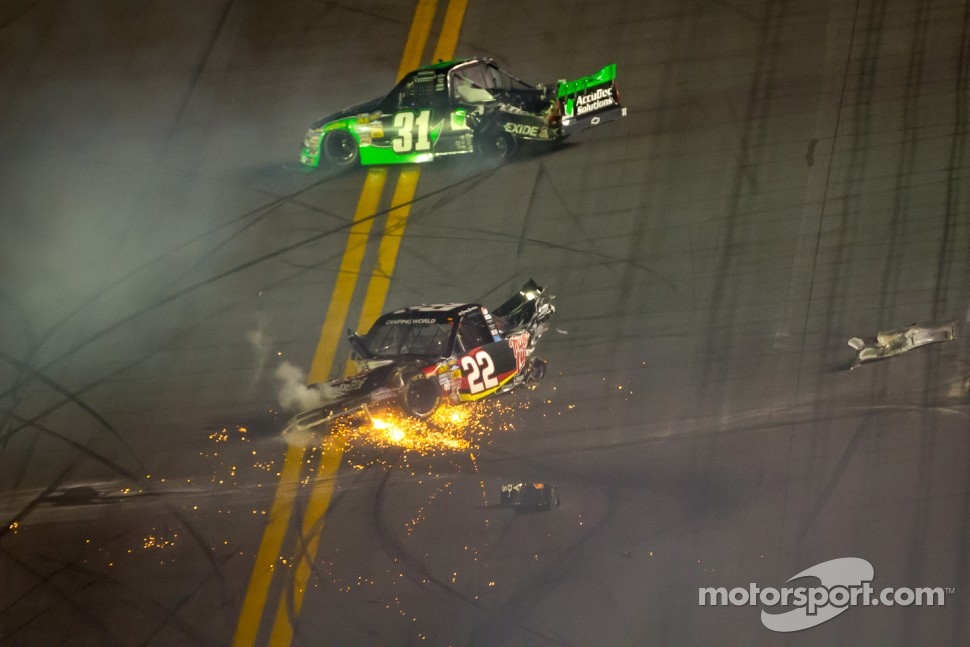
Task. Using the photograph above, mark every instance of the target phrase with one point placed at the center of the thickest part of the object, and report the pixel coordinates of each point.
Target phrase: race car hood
(350, 111)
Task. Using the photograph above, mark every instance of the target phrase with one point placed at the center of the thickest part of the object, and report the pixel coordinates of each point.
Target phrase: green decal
(605, 75)
(341, 124)
(458, 119)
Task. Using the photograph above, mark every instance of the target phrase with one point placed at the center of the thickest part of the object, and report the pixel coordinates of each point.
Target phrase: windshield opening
(477, 82)
(501, 80)
(408, 337)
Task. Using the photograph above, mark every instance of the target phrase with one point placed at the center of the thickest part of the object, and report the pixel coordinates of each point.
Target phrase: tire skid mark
(923, 534)
(91, 618)
(260, 212)
(83, 450)
(952, 218)
(25, 423)
(167, 617)
(183, 102)
(828, 489)
(958, 144)
(50, 489)
(199, 69)
(20, 377)
(300, 553)
(302, 549)
(414, 569)
(556, 472)
(830, 184)
(442, 270)
(753, 137)
(855, 174)
(606, 259)
(120, 470)
(712, 384)
(554, 574)
(907, 161)
(72, 397)
(170, 616)
(759, 422)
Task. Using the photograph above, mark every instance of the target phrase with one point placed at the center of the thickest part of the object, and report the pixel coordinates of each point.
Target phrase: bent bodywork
(421, 356)
(890, 343)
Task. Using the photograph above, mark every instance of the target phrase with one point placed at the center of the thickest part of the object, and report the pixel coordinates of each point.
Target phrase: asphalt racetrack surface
(789, 175)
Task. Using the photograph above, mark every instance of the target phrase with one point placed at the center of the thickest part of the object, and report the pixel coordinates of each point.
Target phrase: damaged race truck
(459, 107)
(420, 356)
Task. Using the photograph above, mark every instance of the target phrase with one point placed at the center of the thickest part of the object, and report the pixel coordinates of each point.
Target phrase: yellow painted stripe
(397, 220)
(380, 278)
(448, 39)
(417, 36)
(279, 520)
(343, 291)
(292, 599)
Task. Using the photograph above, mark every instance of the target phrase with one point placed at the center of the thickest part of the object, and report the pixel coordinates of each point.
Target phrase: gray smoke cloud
(295, 395)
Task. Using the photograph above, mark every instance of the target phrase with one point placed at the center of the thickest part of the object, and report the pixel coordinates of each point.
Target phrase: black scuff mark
(810, 153)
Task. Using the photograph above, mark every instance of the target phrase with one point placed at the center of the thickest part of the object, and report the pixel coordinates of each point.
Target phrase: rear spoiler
(589, 101)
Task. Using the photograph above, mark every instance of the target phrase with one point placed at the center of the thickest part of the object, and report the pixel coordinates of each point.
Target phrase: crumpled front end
(529, 309)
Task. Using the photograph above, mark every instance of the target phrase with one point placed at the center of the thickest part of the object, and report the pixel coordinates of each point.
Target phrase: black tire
(420, 396)
(340, 148)
(494, 143)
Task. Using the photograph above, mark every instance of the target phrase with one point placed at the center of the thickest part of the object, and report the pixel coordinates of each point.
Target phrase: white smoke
(295, 395)
(260, 343)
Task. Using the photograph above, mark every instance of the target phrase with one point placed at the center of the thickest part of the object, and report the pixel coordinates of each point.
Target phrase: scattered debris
(890, 343)
(530, 496)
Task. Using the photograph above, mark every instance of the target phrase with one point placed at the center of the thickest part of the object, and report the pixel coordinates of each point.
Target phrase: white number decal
(488, 369)
(404, 123)
(480, 371)
(470, 367)
(422, 122)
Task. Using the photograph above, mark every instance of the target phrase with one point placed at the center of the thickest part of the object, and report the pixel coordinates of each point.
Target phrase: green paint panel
(606, 75)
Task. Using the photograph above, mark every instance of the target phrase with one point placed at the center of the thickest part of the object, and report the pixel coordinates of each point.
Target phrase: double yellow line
(292, 593)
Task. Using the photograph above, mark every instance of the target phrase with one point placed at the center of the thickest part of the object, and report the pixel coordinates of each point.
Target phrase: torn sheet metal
(890, 343)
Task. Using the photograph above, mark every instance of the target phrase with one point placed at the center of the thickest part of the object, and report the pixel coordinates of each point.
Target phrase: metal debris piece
(890, 343)
(530, 496)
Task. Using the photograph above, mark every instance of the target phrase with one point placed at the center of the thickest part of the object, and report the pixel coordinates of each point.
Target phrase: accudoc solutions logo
(844, 583)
